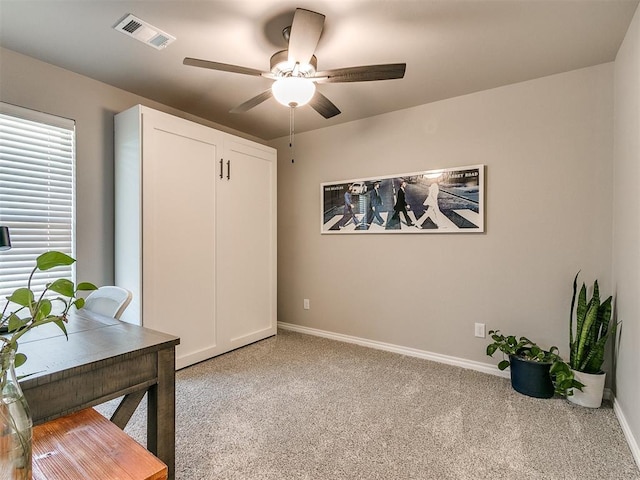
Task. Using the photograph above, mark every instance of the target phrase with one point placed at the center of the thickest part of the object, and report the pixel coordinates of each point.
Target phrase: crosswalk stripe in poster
(448, 200)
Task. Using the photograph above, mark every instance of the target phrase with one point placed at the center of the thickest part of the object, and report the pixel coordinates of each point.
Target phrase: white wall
(626, 233)
(547, 146)
(30, 83)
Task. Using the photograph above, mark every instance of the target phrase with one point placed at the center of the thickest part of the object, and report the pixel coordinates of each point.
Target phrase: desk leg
(161, 420)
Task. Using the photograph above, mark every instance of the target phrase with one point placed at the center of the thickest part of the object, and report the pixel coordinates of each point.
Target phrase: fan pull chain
(291, 131)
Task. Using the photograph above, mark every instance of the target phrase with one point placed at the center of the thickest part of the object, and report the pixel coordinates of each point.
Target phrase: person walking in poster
(431, 206)
(401, 205)
(348, 215)
(376, 203)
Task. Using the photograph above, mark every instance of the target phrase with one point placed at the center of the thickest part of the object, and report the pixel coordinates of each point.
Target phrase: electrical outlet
(306, 304)
(480, 330)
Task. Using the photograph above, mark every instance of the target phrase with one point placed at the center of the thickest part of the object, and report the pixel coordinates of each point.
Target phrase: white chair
(108, 301)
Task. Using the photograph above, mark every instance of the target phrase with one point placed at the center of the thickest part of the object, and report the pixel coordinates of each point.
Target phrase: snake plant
(593, 327)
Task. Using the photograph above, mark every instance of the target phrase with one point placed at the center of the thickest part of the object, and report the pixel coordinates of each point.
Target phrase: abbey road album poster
(449, 200)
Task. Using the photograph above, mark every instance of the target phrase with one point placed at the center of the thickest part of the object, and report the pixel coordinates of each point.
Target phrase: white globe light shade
(293, 91)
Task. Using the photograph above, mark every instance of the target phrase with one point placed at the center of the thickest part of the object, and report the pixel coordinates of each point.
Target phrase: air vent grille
(132, 26)
(144, 32)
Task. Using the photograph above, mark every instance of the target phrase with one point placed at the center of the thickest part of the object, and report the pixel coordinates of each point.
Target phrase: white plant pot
(591, 394)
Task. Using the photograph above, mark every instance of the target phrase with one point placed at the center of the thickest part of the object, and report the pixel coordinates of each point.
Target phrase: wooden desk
(103, 359)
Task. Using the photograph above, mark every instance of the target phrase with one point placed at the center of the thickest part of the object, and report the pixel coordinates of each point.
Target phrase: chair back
(109, 301)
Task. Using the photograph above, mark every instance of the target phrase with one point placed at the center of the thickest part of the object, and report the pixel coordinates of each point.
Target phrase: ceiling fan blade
(305, 34)
(323, 106)
(252, 102)
(365, 73)
(223, 67)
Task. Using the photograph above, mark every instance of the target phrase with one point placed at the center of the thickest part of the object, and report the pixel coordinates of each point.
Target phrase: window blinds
(37, 158)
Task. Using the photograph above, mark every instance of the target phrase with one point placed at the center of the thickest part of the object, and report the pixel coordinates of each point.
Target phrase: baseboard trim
(626, 429)
(389, 347)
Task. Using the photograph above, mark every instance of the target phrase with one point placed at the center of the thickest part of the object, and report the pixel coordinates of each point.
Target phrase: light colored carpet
(302, 407)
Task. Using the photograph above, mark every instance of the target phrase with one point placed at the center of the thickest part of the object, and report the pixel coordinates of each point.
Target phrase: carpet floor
(298, 407)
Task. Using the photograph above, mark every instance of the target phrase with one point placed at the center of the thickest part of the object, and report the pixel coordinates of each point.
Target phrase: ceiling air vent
(144, 32)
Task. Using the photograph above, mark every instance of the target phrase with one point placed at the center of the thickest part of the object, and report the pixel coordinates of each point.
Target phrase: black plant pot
(531, 378)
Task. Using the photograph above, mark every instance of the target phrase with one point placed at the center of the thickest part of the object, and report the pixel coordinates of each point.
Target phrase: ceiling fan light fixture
(293, 91)
(295, 70)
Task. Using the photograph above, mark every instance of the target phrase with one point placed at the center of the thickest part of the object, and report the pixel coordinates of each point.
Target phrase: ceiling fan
(295, 69)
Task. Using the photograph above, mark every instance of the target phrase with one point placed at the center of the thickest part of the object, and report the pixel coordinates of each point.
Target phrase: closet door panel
(246, 242)
(179, 225)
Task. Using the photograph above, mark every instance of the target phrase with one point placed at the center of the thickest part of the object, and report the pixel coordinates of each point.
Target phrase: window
(37, 159)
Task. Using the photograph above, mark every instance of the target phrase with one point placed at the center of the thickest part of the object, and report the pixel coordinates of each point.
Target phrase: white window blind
(37, 160)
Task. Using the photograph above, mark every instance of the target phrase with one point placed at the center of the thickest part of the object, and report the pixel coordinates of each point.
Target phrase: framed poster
(448, 200)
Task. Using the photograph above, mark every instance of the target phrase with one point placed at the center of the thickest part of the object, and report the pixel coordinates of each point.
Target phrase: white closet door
(246, 213)
(179, 225)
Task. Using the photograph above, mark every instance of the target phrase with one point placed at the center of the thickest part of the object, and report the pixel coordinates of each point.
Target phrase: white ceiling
(451, 48)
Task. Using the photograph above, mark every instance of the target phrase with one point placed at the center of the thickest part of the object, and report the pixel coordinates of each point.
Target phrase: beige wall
(30, 83)
(547, 146)
(626, 233)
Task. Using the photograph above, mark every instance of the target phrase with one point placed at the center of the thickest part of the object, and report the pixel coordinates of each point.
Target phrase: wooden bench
(85, 445)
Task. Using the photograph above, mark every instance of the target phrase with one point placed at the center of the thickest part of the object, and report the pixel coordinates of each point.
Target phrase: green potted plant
(31, 312)
(587, 343)
(531, 366)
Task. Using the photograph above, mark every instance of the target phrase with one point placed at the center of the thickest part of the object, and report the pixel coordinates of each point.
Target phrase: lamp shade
(5, 240)
(293, 91)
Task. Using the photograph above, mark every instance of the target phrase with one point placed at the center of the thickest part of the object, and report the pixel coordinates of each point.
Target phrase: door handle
(228, 169)
(221, 175)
